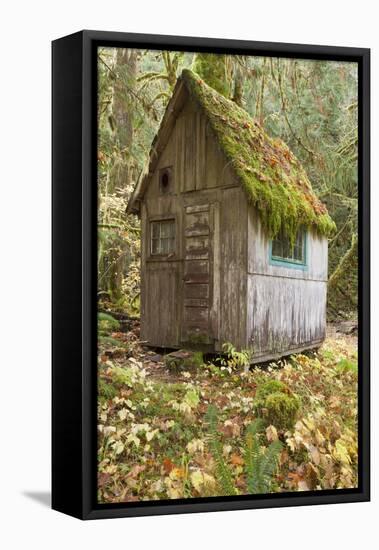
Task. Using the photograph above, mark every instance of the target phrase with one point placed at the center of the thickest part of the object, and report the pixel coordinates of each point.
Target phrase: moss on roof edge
(274, 180)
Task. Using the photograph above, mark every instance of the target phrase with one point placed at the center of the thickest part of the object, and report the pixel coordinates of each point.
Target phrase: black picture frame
(74, 335)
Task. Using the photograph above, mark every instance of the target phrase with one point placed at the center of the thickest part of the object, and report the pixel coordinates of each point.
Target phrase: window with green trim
(283, 251)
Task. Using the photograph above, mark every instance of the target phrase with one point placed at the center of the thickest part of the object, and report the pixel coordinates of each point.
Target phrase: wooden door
(200, 275)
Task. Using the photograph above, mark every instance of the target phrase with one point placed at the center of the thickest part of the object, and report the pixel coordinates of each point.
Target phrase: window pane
(163, 237)
(154, 246)
(282, 249)
(165, 227)
(277, 249)
(155, 230)
(164, 246)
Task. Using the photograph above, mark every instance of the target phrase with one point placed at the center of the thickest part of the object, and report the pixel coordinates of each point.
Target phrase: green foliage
(107, 322)
(346, 365)
(273, 178)
(106, 390)
(105, 325)
(269, 387)
(197, 359)
(260, 462)
(127, 376)
(275, 403)
(213, 69)
(223, 473)
(108, 340)
(236, 359)
(282, 410)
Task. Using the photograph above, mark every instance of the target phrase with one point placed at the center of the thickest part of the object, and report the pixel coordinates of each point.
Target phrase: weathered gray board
(219, 286)
(286, 306)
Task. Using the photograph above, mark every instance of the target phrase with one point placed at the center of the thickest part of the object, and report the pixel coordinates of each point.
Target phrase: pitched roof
(273, 179)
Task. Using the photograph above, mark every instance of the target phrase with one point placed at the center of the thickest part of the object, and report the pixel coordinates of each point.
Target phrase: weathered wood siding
(233, 260)
(286, 306)
(180, 295)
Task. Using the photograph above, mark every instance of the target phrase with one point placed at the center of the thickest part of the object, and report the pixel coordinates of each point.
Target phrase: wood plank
(196, 278)
(214, 314)
(195, 302)
(197, 208)
(200, 291)
(197, 247)
(197, 224)
(196, 317)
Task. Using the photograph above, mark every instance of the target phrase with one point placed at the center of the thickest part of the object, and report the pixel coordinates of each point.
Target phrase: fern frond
(260, 463)
(252, 456)
(223, 473)
(270, 462)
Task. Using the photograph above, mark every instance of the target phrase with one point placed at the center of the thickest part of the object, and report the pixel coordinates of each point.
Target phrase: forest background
(311, 105)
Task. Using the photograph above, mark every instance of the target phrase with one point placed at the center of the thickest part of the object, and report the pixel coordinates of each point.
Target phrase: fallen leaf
(271, 433)
(200, 479)
(135, 471)
(102, 479)
(236, 460)
(123, 413)
(168, 465)
(195, 445)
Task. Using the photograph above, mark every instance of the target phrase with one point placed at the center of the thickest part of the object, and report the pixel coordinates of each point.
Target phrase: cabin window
(165, 180)
(283, 252)
(162, 237)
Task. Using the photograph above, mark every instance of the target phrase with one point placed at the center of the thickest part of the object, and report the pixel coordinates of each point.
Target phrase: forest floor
(192, 431)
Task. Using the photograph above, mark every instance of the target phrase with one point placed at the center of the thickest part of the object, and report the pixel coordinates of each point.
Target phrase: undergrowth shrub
(235, 359)
(106, 391)
(275, 403)
(105, 325)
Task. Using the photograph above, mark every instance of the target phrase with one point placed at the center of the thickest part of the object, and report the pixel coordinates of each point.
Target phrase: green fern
(260, 462)
(106, 321)
(223, 473)
(109, 340)
(106, 391)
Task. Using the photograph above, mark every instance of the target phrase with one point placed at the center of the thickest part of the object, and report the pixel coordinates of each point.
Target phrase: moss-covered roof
(274, 180)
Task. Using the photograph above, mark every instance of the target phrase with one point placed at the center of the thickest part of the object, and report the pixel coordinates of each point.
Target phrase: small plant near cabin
(235, 359)
(275, 403)
(260, 462)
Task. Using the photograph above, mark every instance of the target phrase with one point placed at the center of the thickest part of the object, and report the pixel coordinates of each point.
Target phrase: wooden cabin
(233, 239)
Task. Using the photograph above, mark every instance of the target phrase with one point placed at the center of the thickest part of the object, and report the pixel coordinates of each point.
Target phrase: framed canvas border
(74, 253)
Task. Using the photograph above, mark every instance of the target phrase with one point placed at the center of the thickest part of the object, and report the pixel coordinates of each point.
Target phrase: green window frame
(285, 255)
